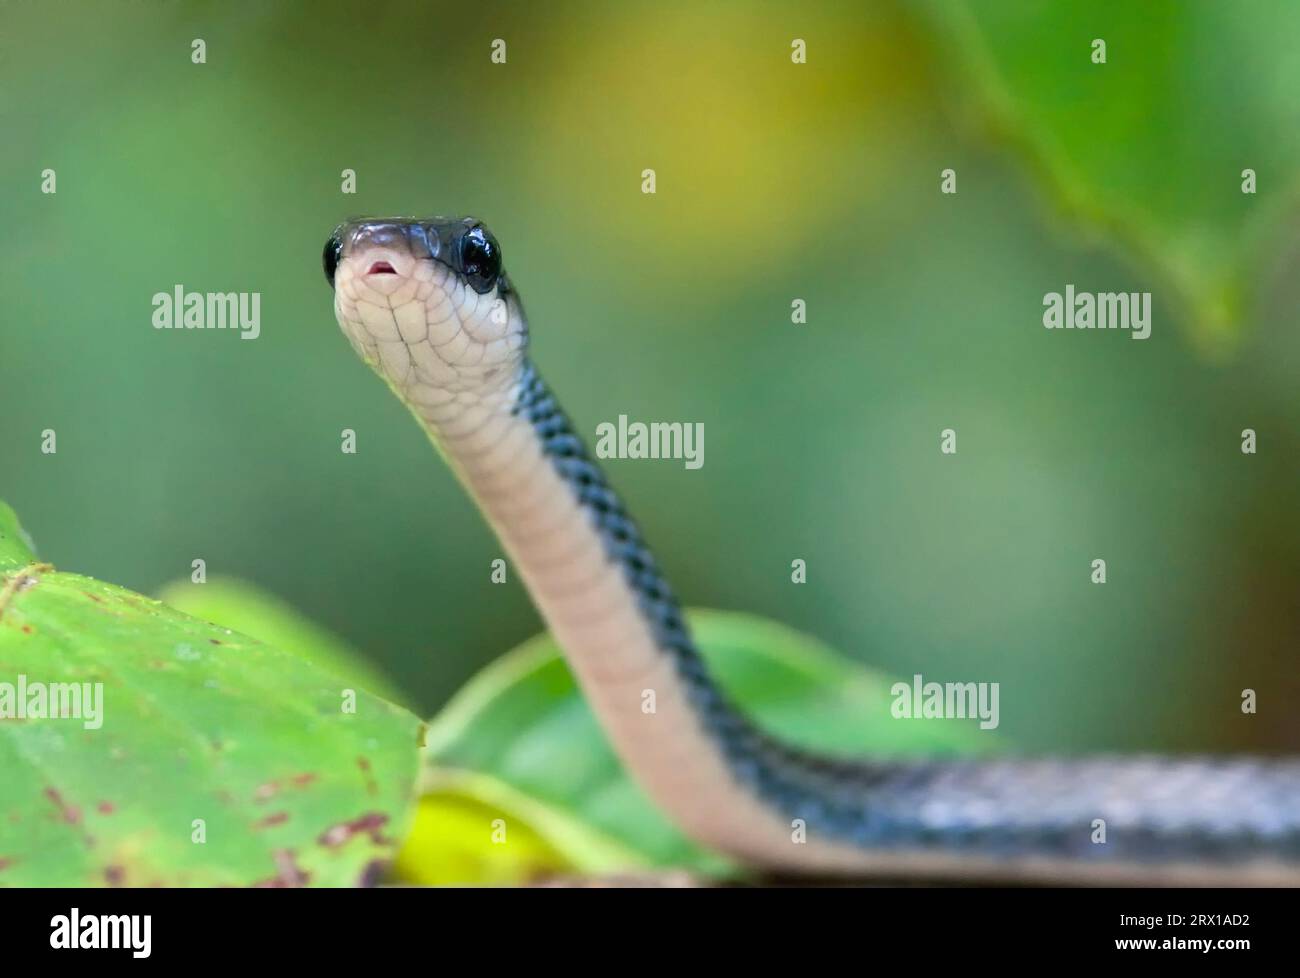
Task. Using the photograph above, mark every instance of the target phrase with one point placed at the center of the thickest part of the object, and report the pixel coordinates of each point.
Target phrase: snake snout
(380, 270)
(382, 252)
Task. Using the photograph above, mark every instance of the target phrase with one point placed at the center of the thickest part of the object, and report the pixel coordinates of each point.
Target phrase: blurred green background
(775, 181)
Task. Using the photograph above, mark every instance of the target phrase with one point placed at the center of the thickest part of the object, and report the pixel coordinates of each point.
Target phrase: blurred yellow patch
(470, 829)
(752, 152)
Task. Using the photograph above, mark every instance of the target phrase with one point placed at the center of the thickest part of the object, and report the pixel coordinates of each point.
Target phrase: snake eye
(480, 259)
(333, 251)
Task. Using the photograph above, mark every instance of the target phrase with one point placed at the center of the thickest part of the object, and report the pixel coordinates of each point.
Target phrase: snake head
(426, 302)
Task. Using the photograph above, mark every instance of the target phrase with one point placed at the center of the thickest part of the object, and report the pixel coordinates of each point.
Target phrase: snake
(427, 303)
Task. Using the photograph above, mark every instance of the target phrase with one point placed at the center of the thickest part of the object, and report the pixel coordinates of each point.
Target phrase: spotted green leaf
(214, 759)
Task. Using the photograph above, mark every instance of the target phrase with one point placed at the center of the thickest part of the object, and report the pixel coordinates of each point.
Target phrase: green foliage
(1193, 92)
(248, 609)
(197, 723)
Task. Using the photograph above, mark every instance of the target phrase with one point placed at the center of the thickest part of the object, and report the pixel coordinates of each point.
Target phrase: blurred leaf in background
(1140, 120)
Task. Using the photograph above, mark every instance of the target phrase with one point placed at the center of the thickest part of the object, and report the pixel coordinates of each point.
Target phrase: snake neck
(599, 588)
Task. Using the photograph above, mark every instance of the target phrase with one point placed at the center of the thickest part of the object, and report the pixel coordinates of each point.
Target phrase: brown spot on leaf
(369, 823)
(114, 875)
(373, 873)
(105, 808)
(270, 789)
(70, 813)
(275, 818)
(27, 629)
(21, 581)
(372, 786)
(94, 598)
(5, 863)
(287, 872)
(215, 641)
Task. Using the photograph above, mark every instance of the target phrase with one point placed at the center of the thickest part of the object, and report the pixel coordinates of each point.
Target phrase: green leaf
(522, 728)
(1150, 146)
(247, 608)
(203, 732)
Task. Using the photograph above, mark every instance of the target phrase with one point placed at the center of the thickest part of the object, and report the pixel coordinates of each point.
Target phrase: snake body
(427, 304)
